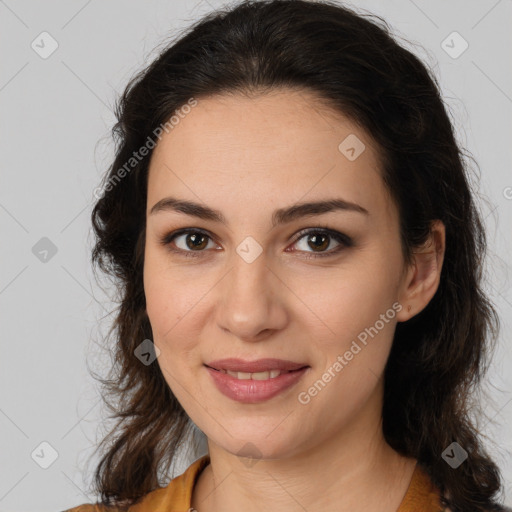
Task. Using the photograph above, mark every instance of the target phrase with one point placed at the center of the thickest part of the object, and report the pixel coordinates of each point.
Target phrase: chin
(259, 445)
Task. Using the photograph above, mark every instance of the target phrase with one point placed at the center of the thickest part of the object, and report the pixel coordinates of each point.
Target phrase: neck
(355, 470)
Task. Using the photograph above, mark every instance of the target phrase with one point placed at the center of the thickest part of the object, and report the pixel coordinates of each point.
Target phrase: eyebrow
(280, 216)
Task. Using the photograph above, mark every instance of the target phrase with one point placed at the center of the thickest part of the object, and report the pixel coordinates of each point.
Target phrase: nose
(251, 304)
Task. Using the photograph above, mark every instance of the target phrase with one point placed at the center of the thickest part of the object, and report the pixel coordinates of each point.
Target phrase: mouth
(265, 375)
(255, 382)
(261, 369)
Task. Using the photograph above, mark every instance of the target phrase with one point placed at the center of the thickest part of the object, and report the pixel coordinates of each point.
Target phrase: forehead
(281, 146)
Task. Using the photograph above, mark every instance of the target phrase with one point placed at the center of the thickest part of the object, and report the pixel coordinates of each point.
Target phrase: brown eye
(193, 242)
(196, 241)
(187, 242)
(319, 241)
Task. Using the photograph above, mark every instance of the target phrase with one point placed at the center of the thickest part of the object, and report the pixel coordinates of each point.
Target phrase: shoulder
(98, 507)
(497, 508)
(176, 495)
(91, 507)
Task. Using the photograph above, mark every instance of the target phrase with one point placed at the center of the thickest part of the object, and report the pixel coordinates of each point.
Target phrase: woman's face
(258, 285)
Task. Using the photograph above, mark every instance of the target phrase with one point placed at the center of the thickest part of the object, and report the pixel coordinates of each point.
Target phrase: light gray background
(55, 121)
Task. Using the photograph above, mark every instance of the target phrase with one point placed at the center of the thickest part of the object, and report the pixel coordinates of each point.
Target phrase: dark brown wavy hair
(353, 63)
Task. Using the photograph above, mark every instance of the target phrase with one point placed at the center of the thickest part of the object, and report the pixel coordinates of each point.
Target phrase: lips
(260, 387)
(260, 365)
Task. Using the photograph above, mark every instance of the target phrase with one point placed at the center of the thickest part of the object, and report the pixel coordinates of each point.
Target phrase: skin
(247, 157)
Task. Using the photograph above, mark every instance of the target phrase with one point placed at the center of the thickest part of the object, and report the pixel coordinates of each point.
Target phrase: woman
(298, 251)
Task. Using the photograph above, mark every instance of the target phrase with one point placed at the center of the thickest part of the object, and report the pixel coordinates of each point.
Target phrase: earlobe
(424, 275)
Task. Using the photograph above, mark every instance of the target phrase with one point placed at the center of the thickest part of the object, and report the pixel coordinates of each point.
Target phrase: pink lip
(261, 365)
(253, 391)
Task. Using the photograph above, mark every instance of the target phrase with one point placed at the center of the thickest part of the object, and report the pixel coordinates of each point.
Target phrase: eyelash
(344, 241)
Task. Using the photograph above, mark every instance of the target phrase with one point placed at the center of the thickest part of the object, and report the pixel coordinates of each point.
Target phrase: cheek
(170, 294)
(357, 309)
(170, 314)
(175, 303)
(352, 362)
(345, 302)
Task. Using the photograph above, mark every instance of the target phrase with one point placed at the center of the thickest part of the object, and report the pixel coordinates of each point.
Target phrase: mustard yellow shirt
(421, 495)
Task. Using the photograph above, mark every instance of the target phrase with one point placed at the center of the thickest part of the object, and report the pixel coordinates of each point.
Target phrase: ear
(423, 276)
